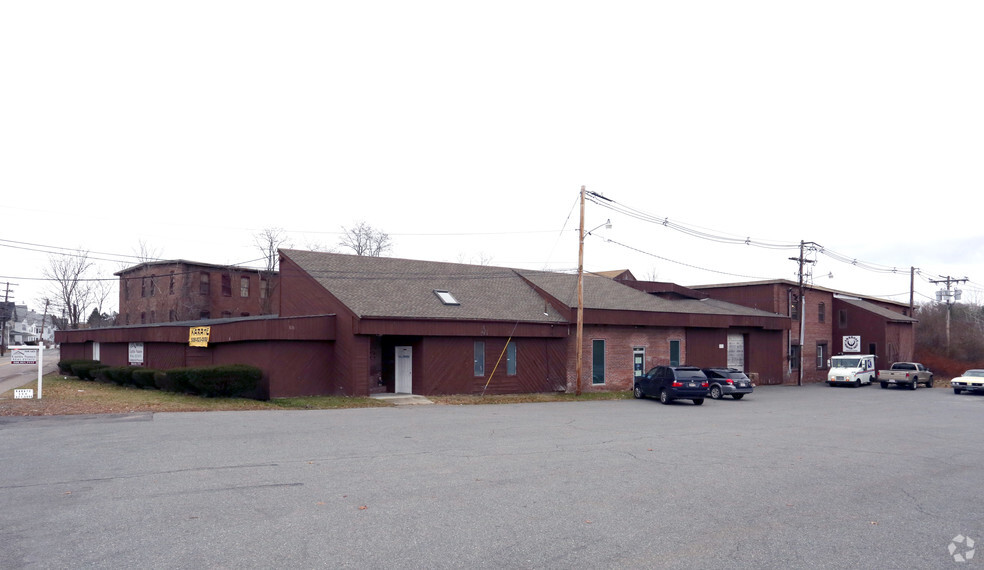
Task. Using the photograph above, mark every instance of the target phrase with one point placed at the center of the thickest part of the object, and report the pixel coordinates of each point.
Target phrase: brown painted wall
(704, 349)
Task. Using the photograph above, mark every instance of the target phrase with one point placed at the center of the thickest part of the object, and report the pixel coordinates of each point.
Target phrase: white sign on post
(24, 355)
(28, 355)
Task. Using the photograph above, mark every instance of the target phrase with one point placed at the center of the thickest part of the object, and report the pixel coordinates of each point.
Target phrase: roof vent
(446, 297)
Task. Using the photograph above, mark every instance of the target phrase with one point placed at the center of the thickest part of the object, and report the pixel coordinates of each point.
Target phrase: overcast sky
(465, 131)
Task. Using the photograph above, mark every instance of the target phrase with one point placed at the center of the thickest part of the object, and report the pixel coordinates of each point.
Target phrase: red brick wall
(147, 294)
(619, 342)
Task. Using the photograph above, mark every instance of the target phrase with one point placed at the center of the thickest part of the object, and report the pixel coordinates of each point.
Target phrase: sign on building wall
(852, 343)
(198, 336)
(136, 353)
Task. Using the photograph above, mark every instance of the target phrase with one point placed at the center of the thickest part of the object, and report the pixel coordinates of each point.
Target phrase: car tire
(737, 396)
(929, 384)
(857, 382)
(914, 385)
(637, 392)
(957, 390)
(716, 392)
(699, 401)
(664, 398)
(884, 385)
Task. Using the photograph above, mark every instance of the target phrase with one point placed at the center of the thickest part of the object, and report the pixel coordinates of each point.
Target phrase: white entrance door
(404, 370)
(736, 351)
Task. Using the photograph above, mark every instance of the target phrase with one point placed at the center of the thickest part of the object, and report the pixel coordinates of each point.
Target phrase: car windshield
(686, 373)
(844, 362)
(979, 373)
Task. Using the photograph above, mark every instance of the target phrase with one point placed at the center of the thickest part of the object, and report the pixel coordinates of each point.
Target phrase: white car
(970, 381)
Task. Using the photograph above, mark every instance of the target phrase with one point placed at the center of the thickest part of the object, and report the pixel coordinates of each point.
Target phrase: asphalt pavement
(789, 477)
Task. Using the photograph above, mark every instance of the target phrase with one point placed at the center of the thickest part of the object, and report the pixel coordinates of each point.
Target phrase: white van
(852, 370)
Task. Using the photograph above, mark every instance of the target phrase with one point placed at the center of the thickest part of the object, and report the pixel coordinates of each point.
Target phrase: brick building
(834, 322)
(351, 325)
(179, 290)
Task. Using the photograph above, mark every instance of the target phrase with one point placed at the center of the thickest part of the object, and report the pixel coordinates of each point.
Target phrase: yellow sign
(198, 336)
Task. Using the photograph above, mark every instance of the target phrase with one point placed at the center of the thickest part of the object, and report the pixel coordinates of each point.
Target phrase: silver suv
(728, 382)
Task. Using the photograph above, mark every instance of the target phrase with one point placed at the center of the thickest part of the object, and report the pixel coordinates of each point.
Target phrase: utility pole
(800, 306)
(44, 317)
(950, 297)
(580, 298)
(912, 292)
(5, 315)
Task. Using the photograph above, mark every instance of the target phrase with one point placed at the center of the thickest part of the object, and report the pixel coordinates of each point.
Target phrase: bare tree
(366, 240)
(69, 284)
(269, 241)
(101, 290)
(144, 252)
(480, 258)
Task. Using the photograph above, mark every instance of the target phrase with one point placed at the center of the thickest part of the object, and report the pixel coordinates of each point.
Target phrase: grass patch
(62, 396)
(65, 396)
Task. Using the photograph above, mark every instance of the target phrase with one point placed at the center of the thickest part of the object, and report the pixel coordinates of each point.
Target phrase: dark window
(821, 313)
(264, 287)
(226, 314)
(821, 354)
(143, 286)
(203, 283)
(244, 286)
(479, 358)
(842, 318)
(204, 315)
(171, 316)
(794, 357)
(153, 316)
(511, 359)
(143, 318)
(794, 306)
(170, 288)
(674, 353)
(226, 286)
(598, 361)
(153, 285)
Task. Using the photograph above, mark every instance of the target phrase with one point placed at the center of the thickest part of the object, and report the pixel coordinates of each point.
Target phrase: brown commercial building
(351, 325)
(834, 323)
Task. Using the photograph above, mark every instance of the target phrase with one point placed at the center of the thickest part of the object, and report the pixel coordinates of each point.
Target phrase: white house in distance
(28, 327)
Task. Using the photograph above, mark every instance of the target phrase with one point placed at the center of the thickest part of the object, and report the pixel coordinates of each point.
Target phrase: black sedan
(672, 383)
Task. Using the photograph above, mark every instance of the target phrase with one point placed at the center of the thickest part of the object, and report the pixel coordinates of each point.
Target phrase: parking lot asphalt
(789, 477)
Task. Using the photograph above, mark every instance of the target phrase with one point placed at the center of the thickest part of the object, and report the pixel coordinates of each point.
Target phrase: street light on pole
(579, 365)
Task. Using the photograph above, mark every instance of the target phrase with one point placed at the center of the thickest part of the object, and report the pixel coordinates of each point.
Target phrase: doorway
(736, 351)
(403, 370)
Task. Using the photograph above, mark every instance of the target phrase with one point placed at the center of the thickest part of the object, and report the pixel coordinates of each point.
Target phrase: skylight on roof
(446, 297)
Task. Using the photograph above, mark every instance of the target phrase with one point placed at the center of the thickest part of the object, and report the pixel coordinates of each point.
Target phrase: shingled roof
(403, 288)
